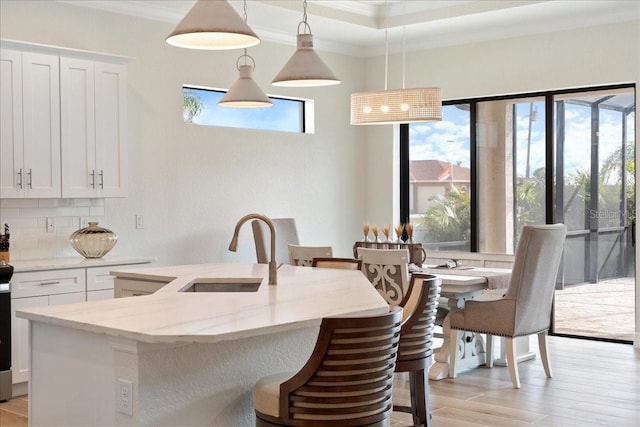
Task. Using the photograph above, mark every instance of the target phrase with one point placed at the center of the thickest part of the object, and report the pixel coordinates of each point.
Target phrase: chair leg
(419, 388)
(544, 354)
(455, 336)
(488, 355)
(511, 361)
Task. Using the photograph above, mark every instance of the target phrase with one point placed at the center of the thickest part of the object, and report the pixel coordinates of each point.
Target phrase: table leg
(471, 349)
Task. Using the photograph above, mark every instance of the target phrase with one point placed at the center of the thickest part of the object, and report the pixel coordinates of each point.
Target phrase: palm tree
(191, 106)
(449, 219)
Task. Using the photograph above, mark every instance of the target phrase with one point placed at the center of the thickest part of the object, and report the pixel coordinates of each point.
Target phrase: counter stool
(347, 380)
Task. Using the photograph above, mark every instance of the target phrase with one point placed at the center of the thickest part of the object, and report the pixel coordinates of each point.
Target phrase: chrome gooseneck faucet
(233, 246)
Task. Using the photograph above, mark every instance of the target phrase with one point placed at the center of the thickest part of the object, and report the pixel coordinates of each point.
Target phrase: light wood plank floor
(594, 384)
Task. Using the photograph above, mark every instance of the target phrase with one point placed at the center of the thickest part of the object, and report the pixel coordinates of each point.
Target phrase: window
(200, 107)
(439, 178)
(494, 165)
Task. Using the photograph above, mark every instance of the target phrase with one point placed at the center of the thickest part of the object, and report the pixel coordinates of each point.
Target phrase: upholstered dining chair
(302, 256)
(525, 308)
(415, 354)
(347, 380)
(387, 270)
(343, 263)
(286, 234)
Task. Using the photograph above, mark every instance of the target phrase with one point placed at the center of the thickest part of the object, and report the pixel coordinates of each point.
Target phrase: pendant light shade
(305, 68)
(213, 25)
(396, 106)
(245, 93)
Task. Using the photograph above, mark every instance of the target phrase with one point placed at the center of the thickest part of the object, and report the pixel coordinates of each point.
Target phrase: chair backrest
(388, 271)
(286, 234)
(419, 315)
(533, 277)
(303, 256)
(343, 263)
(348, 378)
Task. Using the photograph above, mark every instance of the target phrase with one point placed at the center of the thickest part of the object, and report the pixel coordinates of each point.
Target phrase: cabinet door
(11, 141)
(77, 125)
(20, 336)
(41, 124)
(111, 129)
(67, 298)
(99, 278)
(100, 295)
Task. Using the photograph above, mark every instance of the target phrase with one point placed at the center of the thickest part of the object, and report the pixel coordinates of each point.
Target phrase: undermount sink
(225, 284)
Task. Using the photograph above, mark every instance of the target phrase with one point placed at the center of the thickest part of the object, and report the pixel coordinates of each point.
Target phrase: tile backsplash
(27, 219)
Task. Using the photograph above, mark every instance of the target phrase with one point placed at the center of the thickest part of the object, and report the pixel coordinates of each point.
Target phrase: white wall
(193, 183)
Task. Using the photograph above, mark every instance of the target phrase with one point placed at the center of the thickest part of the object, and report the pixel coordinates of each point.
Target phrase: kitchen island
(182, 358)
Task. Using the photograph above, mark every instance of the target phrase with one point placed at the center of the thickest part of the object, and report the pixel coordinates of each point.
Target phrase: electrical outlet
(51, 225)
(139, 222)
(84, 222)
(124, 399)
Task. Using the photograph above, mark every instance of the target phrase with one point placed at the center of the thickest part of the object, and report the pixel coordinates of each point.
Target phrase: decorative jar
(93, 241)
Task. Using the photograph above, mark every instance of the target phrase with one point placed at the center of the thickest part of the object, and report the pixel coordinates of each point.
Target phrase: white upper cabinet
(30, 120)
(63, 122)
(93, 122)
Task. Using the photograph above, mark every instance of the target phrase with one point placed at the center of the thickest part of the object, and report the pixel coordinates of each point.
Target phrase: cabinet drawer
(98, 278)
(130, 287)
(37, 283)
(130, 293)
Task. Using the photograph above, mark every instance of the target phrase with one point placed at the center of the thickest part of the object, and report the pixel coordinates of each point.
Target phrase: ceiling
(358, 27)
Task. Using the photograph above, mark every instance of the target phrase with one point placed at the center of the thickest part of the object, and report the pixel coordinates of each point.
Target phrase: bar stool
(347, 380)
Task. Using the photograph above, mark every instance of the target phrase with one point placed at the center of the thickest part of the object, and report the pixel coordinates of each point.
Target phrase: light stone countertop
(21, 266)
(302, 297)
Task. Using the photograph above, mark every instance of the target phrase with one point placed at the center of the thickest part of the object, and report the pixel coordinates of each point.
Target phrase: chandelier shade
(212, 25)
(396, 106)
(305, 68)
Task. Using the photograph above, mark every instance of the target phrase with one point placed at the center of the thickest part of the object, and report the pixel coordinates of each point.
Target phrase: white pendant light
(213, 25)
(396, 105)
(245, 93)
(305, 68)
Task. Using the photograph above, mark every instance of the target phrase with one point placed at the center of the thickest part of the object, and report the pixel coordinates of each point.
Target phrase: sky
(448, 140)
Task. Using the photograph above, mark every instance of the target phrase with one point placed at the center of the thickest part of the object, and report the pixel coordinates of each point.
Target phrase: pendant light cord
(304, 22)
(386, 44)
(245, 56)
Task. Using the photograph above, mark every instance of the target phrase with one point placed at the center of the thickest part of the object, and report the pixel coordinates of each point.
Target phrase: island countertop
(302, 297)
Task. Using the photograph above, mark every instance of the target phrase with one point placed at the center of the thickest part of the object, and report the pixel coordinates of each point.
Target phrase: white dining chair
(302, 256)
(388, 271)
(286, 233)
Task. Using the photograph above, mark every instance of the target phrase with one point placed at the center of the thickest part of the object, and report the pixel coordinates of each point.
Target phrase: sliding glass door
(595, 193)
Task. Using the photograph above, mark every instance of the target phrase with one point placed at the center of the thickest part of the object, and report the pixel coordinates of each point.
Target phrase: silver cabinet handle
(93, 178)
(20, 179)
(55, 282)
(101, 179)
(30, 181)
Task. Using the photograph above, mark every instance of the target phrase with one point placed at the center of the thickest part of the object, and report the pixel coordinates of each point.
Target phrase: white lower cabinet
(51, 287)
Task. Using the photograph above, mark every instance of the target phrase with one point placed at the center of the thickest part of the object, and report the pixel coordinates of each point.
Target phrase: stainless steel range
(6, 271)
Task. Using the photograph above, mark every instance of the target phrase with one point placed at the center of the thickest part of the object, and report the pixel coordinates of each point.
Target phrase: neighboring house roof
(437, 171)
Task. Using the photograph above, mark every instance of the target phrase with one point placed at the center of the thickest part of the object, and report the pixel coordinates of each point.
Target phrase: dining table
(461, 284)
